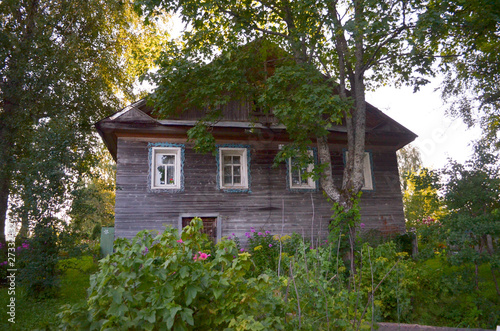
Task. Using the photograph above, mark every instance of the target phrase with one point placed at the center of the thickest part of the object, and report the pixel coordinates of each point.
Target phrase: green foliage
(294, 59)
(409, 161)
(37, 260)
(472, 196)
(170, 282)
(93, 199)
(446, 296)
(265, 249)
(41, 314)
(63, 65)
(421, 198)
(394, 275)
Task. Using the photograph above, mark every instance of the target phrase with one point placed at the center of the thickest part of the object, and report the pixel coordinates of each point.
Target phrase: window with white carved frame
(233, 168)
(297, 175)
(166, 168)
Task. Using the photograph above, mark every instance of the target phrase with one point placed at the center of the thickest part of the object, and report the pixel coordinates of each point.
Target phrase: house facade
(162, 181)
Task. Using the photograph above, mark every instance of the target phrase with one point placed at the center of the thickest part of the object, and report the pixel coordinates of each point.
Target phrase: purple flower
(229, 238)
(252, 229)
(4, 263)
(259, 234)
(311, 247)
(270, 245)
(362, 225)
(242, 250)
(233, 234)
(247, 234)
(268, 232)
(145, 251)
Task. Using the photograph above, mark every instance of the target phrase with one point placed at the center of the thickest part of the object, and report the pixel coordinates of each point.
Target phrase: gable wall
(138, 208)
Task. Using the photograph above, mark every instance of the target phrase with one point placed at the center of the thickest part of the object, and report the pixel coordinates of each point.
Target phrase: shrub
(175, 283)
(395, 273)
(37, 260)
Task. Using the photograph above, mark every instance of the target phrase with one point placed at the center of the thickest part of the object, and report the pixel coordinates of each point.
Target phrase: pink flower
(180, 241)
(268, 232)
(252, 229)
(259, 234)
(242, 250)
(202, 256)
(247, 234)
(270, 245)
(233, 234)
(362, 225)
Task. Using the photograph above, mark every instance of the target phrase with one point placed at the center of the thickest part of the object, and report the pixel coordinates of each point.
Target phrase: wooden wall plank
(138, 208)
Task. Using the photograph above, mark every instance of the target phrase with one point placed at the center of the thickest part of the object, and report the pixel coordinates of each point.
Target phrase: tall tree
(472, 196)
(63, 63)
(330, 49)
(466, 35)
(409, 161)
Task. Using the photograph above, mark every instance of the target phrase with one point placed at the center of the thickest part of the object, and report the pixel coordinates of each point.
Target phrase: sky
(440, 137)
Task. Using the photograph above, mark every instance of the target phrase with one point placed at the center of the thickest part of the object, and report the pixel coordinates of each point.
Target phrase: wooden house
(162, 181)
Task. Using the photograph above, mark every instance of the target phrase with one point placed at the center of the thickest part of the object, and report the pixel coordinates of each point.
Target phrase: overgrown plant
(37, 259)
(172, 282)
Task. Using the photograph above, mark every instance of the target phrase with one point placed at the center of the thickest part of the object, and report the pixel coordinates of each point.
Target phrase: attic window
(166, 168)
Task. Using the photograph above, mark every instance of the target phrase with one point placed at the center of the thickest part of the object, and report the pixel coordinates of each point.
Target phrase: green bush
(265, 249)
(395, 276)
(37, 260)
(169, 282)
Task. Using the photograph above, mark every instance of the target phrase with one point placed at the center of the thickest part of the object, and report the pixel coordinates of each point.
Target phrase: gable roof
(137, 119)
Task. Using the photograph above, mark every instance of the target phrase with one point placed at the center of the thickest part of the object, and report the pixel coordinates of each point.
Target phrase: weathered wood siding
(138, 208)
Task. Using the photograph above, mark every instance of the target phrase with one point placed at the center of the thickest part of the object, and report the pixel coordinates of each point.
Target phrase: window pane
(227, 180)
(227, 159)
(295, 177)
(160, 175)
(237, 179)
(168, 159)
(236, 159)
(170, 175)
(237, 170)
(227, 175)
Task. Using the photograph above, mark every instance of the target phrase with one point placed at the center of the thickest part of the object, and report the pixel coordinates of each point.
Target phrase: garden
(276, 282)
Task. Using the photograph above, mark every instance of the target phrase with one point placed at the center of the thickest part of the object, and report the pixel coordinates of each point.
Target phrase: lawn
(42, 314)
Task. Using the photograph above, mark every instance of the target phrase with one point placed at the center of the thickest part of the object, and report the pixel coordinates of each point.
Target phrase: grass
(42, 314)
(448, 297)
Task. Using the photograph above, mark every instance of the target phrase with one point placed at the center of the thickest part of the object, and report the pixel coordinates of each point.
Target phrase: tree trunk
(6, 159)
(4, 205)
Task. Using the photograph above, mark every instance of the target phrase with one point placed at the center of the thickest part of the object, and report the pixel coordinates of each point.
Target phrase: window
(209, 226)
(166, 168)
(233, 168)
(367, 171)
(296, 175)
